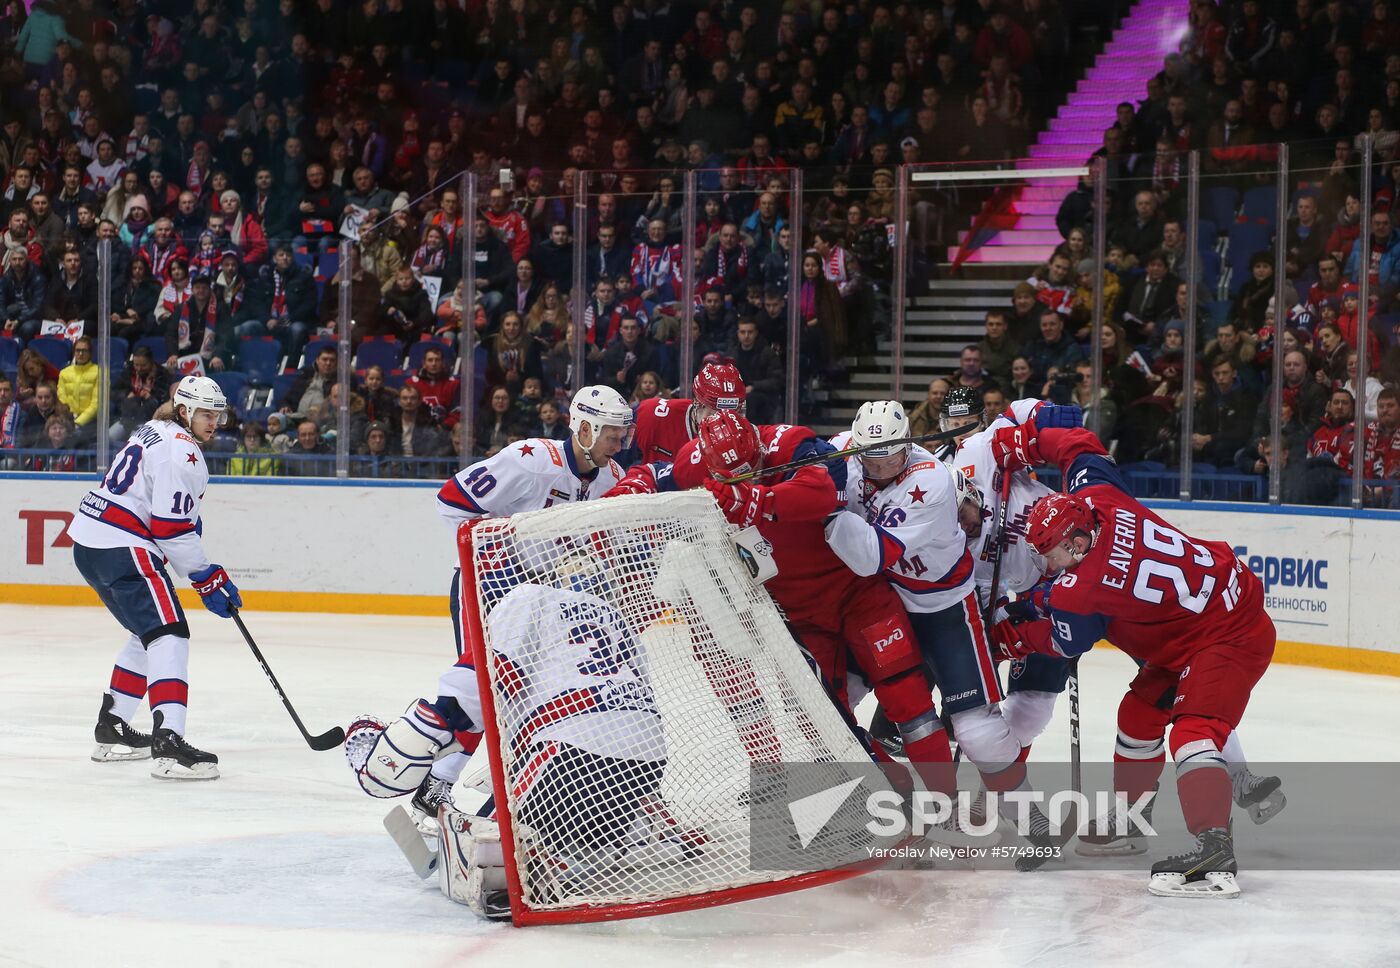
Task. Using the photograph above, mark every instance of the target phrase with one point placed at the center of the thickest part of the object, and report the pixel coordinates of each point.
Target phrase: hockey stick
(328, 740)
(1076, 777)
(997, 547)
(849, 451)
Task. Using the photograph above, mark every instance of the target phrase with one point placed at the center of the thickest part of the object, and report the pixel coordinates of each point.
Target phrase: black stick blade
(329, 740)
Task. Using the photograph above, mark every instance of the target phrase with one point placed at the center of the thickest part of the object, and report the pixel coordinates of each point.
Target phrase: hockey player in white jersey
(141, 518)
(587, 749)
(529, 475)
(902, 519)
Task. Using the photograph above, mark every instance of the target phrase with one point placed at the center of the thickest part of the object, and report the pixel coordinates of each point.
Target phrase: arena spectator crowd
(242, 156)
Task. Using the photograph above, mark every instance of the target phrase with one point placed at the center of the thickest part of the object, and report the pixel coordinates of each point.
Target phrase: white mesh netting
(637, 671)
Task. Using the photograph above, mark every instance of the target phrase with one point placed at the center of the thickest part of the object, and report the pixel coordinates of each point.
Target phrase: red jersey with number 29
(1154, 592)
(663, 427)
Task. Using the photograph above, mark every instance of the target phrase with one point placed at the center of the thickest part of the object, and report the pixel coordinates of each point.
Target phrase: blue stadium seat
(328, 265)
(281, 384)
(395, 379)
(1220, 204)
(55, 349)
(1218, 310)
(1260, 203)
(233, 384)
(381, 351)
(9, 356)
(118, 352)
(418, 350)
(156, 344)
(1207, 233)
(261, 358)
(1210, 269)
(313, 350)
(1384, 327)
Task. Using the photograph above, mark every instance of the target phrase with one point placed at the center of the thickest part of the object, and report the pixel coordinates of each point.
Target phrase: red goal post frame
(521, 914)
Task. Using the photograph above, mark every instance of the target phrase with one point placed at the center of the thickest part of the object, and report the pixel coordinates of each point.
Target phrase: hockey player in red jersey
(834, 613)
(663, 426)
(1188, 609)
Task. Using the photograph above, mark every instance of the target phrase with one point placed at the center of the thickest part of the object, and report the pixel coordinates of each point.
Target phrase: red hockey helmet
(718, 386)
(1056, 518)
(729, 446)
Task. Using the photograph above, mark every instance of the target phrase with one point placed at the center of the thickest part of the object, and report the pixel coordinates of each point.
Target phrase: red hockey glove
(1014, 448)
(1012, 641)
(742, 504)
(639, 480)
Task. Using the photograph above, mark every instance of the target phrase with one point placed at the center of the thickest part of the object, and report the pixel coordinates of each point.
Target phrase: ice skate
(1108, 840)
(1206, 871)
(1047, 846)
(175, 759)
(116, 740)
(1261, 796)
(432, 793)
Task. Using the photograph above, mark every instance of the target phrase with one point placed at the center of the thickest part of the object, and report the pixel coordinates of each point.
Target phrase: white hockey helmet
(601, 406)
(199, 393)
(967, 491)
(878, 421)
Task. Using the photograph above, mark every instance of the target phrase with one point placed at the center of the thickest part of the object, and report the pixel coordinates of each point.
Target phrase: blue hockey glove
(216, 589)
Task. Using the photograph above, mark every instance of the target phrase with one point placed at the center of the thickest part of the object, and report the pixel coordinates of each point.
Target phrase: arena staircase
(1150, 31)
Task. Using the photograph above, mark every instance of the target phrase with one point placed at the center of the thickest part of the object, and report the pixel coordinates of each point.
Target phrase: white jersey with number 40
(568, 670)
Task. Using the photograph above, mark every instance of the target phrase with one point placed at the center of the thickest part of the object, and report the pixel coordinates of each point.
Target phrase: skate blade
(116, 753)
(1268, 808)
(1122, 847)
(169, 769)
(1215, 884)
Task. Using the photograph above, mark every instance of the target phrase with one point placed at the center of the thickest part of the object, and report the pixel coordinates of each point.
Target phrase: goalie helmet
(961, 406)
(729, 446)
(879, 421)
(1055, 519)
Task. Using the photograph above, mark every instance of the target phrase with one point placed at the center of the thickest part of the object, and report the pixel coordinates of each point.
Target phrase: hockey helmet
(729, 446)
(961, 406)
(719, 386)
(967, 491)
(600, 406)
(1056, 518)
(877, 422)
(200, 393)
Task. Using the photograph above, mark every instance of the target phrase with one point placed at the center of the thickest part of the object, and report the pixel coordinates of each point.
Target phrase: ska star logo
(190, 458)
(526, 450)
(917, 495)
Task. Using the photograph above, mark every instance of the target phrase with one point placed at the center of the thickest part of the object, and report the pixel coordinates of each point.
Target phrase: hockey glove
(216, 589)
(1012, 641)
(742, 504)
(639, 480)
(1066, 416)
(1016, 448)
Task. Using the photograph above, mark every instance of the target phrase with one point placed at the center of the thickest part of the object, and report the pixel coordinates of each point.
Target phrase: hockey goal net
(634, 673)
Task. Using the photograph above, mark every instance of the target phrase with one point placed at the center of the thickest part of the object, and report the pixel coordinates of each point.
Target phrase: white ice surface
(282, 861)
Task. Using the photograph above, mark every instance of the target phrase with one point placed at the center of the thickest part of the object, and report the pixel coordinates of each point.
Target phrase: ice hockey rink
(282, 861)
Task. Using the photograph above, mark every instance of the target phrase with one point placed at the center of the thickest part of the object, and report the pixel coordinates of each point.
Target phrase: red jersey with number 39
(663, 427)
(1154, 592)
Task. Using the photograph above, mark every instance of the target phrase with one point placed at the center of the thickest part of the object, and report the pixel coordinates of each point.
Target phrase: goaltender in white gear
(586, 737)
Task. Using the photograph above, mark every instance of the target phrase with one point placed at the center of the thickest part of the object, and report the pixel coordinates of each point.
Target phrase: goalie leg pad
(471, 866)
(401, 757)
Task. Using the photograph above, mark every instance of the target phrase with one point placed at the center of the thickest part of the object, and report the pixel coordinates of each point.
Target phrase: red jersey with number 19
(1154, 592)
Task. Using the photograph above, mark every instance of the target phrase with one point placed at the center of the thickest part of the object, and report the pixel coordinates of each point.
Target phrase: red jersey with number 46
(1154, 592)
(663, 427)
